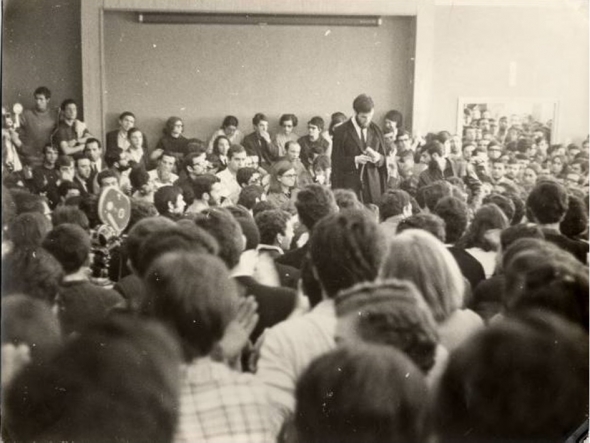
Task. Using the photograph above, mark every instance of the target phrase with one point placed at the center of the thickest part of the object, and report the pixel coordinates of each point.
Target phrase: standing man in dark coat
(358, 154)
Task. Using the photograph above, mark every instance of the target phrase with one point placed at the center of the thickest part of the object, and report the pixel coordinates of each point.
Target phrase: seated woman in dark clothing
(172, 141)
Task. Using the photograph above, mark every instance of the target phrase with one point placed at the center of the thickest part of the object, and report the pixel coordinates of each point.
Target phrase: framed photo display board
(499, 114)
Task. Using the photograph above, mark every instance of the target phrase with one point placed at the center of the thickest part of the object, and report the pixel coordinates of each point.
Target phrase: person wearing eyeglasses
(283, 185)
(288, 123)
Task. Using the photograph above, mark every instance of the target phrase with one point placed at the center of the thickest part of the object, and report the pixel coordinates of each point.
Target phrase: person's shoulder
(340, 129)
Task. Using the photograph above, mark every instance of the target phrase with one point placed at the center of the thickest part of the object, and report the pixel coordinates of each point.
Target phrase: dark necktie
(363, 141)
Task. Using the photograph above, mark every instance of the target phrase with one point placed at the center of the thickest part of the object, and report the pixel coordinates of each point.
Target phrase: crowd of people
(356, 283)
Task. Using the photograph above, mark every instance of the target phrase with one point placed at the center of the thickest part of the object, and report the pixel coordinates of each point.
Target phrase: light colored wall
(41, 47)
(474, 47)
(203, 72)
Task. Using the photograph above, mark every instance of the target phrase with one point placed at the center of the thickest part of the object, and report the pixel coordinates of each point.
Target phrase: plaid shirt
(221, 405)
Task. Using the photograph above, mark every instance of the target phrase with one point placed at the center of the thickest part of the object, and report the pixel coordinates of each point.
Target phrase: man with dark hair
(206, 192)
(82, 175)
(169, 202)
(541, 395)
(66, 190)
(163, 175)
(345, 248)
(236, 159)
(395, 206)
(119, 137)
(351, 388)
(248, 176)
(440, 167)
(358, 154)
(33, 272)
(275, 304)
(80, 301)
(276, 228)
(250, 195)
(37, 126)
(547, 204)
(313, 203)
(428, 196)
(93, 151)
(293, 154)
(24, 201)
(313, 143)
(106, 179)
(195, 296)
(70, 214)
(487, 296)
(141, 185)
(503, 202)
(427, 222)
(258, 143)
(117, 381)
(194, 165)
(46, 175)
(455, 214)
(71, 133)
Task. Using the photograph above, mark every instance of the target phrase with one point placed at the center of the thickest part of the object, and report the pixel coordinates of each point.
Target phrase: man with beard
(118, 161)
(206, 191)
(440, 167)
(358, 154)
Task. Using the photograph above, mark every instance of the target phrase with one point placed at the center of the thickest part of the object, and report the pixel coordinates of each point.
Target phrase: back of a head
(264, 205)
(454, 213)
(26, 202)
(521, 379)
(487, 218)
(369, 393)
(504, 203)
(142, 230)
(393, 203)
(514, 233)
(187, 238)
(193, 294)
(118, 381)
(575, 221)
(393, 313)
(70, 245)
(346, 248)
(28, 230)
(222, 226)
(417, 256)
(70, 214)
(313, 203)
(248, 225)
(270, 223)
(548, 202)
(347, 199)
(426, 222)
(30, 321)
(33, 272)
(250, 195)
(430, 195)
(555, 285)
(164, 196)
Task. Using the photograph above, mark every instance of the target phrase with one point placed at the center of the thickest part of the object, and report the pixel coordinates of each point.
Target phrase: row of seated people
(364, 323)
